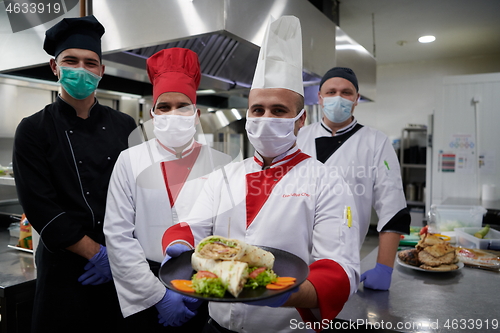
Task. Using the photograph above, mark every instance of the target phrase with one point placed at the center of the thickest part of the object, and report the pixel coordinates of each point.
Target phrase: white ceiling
(463, 28)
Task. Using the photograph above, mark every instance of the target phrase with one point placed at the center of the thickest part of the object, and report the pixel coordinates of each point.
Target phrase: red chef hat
(174, 70)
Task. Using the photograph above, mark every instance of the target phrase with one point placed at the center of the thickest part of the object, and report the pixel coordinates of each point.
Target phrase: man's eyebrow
(164, 103)
(182, 104)
(256, 106)
(278, 105)
(70, 57)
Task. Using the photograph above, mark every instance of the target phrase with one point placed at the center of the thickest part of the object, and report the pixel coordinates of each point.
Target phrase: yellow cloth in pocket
(25, 237)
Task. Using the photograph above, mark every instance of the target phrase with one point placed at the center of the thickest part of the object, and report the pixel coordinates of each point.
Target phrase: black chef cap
(343, 72)
(79, 33)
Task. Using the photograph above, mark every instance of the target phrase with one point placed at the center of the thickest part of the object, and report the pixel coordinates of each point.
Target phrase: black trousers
(62, 304)
(147, 321)
(213, 327)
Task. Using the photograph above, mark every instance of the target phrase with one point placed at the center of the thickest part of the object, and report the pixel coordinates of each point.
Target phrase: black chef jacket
(62, 165)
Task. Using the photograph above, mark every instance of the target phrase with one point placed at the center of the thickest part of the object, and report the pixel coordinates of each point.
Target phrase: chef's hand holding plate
(378, 278)
(175, 309)
(174, 251)
(275, 301)
(97, 269)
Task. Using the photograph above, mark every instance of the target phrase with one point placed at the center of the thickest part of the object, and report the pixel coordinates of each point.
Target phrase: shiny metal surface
(7, 180)
(226, 34)
(25, 48)
(14, 105)
(353, 55)
(216, 119)
(17, 266)
(134, 24)
(426, 302)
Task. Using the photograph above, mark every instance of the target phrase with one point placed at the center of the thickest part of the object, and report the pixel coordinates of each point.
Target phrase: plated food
(231, 265)
(431, 253)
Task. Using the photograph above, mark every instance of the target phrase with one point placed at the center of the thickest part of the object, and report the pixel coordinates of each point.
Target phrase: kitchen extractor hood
(226, 35)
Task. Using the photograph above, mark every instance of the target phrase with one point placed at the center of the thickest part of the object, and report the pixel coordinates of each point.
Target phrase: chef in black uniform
(63, 159)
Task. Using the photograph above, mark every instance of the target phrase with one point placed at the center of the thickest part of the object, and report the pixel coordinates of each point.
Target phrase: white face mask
(174, 130)
(271, 137)
(337, 109)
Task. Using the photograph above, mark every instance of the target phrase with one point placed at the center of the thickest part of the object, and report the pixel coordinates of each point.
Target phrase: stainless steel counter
(7, 180)
(466, 300)
(17, 286)
(17, 266)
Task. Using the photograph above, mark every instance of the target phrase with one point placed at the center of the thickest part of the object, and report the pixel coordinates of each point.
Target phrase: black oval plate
(285, 264)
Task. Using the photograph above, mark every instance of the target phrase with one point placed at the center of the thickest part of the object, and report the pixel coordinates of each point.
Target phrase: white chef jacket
(296, 205)
(370, 166)
(138, 211)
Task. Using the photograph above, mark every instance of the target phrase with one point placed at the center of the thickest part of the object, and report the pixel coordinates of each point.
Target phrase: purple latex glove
(275, 301)
(175, 309)
(97, 269)
(378, 278)
(175, 251)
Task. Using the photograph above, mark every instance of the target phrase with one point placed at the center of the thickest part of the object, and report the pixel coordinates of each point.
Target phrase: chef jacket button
(98, 222)
(88, 193)
(109, 158)
(80, 162)
(104, 127)
(70, 132)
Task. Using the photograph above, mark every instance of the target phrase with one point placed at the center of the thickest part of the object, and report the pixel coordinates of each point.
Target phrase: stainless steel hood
(226, 35)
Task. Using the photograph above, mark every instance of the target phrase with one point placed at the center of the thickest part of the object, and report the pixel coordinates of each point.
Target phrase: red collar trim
(260, 184)
(283, 158)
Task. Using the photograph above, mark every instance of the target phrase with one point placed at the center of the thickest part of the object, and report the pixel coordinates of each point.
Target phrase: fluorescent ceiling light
(427, 39)
(236, 113)
(205, 92)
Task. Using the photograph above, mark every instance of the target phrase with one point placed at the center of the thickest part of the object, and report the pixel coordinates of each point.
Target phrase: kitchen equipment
(410, 192)
(489, 192)
(466, 238)
(450, 217)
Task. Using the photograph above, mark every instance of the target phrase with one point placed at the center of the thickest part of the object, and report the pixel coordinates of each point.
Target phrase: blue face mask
(337, 109)
(78, 82)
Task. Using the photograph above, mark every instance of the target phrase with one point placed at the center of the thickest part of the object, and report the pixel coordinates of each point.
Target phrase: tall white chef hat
(280, 58)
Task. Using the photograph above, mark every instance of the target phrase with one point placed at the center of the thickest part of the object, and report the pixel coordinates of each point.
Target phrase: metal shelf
(415, 129)
(409, 171)
(415, 203)
(416, 166)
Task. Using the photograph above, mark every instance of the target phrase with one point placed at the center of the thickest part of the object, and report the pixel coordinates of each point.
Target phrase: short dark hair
(300, 103)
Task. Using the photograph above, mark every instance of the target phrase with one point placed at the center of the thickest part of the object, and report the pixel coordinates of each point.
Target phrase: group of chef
(109, 217)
